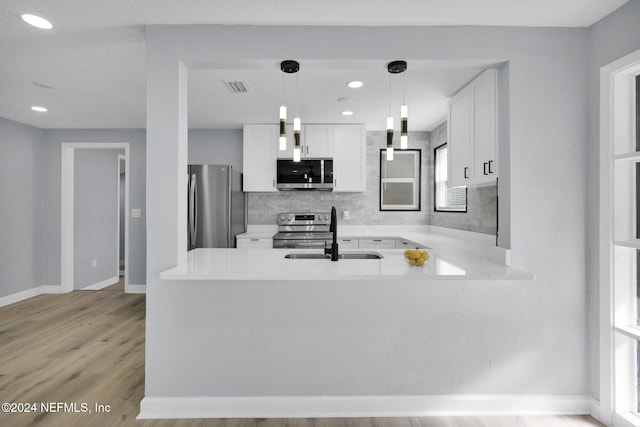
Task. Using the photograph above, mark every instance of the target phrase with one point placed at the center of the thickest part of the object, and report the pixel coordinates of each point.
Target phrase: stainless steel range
(303, 230)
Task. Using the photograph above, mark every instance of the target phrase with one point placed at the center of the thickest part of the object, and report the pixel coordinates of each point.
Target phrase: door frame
(67, 221)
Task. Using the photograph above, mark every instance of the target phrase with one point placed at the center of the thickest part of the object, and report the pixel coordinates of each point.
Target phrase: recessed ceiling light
(347, 113)
(39, 109)
(36, 21)
(355, 84)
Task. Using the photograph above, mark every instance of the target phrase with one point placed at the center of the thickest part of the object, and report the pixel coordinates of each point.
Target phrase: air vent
(237, 87)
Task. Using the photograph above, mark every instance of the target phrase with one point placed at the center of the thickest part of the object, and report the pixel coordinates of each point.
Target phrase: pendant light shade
(389, 138)
(283, 133)
(403, 126)
(296, 136)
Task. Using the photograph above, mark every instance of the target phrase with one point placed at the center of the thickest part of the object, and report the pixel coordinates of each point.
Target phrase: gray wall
(21, 162)
(482, 202)
(96, 212)
(612, 38)
(51, 197)
(215, 147)
(535, 330)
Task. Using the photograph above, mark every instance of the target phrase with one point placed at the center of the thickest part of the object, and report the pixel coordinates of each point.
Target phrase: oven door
(301, 240)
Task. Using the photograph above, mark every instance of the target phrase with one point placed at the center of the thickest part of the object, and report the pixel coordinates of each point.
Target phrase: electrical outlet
(135, 213)
(94, 263)
(345, 214)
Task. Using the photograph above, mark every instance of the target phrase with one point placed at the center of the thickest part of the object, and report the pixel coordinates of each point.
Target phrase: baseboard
(29, 293)
(360, 406)
(101, 285)
(136, 289)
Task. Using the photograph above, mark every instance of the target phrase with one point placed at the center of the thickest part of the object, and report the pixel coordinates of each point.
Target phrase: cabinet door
(287, 153)
(255, 242)
(460, 137)
(318, 141)
(350, 158)
(259, 157)
(484, 105)
(383, 243)
(349, 243)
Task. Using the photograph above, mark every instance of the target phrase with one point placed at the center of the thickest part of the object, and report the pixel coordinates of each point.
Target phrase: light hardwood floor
(88, 347)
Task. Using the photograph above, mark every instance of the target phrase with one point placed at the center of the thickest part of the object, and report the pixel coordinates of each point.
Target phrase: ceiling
(89, 71)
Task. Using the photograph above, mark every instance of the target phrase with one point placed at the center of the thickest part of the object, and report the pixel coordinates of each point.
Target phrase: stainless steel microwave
(307, 174)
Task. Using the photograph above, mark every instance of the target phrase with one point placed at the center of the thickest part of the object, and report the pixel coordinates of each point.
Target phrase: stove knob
(282, 219)
(289, 218)
(326, 217)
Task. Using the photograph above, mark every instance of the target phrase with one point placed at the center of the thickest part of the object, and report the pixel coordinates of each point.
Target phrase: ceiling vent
(237, 87)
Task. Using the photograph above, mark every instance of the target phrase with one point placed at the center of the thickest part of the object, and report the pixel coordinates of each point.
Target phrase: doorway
(69, 221)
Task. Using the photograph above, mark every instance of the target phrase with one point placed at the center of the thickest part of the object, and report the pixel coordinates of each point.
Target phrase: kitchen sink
(344, 255)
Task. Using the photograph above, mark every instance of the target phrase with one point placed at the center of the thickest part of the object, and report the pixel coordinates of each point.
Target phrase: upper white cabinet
(259, 157)
(316, 142)
(350, 158)
(345, 144)
(472, 133)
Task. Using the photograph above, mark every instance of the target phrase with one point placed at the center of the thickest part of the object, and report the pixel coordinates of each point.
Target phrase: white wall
(543, 323)
(96, 231)
(21, 161)
(612, 38)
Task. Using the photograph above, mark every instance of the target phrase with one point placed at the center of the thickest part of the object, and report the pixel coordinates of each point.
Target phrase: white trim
(609, 75)
(67, 203)
(29, 293)
(360, 406)
(136, 289)
(625, 421)
(101, 285)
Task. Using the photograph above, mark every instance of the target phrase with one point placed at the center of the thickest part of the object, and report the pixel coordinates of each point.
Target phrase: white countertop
(451, 257)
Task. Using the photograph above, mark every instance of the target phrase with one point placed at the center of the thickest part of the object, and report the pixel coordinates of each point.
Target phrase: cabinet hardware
(490, 166)
(484, 167)
(377, 240)
(255, 240)
(466, 169)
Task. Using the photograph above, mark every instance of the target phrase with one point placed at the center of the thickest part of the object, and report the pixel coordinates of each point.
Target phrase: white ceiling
(94, 58)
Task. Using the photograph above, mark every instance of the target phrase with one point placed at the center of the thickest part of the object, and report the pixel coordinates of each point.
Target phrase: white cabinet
(254, 242)
(472, 133)
(316, 142)
(259, 157)
(348, 243)
(377, 243)
(350, 158)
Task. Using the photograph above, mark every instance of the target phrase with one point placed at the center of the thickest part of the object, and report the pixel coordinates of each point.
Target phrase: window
(400, 180)
(446, 199)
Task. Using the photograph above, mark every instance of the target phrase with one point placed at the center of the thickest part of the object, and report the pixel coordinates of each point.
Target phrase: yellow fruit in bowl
(416, 256)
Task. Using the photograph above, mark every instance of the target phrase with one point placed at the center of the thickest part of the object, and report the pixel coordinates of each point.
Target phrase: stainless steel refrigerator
(216, 206)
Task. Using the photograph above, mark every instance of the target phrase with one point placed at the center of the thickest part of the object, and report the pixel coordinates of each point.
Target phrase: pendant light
(397, 67)
(289, 67)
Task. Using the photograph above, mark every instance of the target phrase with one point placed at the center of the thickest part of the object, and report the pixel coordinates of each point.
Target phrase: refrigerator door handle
(193, 213)
(229, 201)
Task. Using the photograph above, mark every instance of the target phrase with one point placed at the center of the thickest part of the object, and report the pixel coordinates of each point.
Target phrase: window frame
(435, 186)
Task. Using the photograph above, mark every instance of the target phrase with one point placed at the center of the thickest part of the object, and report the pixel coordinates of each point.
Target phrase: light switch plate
(135, 213)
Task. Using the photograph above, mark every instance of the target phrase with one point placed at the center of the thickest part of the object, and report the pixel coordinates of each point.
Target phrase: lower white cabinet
(377, 243)
(254, 242)
(348, 243)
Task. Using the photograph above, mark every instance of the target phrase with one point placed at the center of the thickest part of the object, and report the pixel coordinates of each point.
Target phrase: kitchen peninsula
(312, 337)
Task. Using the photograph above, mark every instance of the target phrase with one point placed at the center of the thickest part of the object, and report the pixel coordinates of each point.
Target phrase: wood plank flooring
(88, 347)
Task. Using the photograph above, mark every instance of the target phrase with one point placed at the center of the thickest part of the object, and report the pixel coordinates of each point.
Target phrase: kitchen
(276, 359)
(493, 345)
